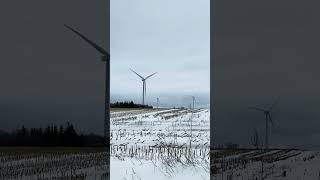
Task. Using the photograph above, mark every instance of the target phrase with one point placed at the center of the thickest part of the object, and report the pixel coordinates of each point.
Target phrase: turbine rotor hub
(104, 58)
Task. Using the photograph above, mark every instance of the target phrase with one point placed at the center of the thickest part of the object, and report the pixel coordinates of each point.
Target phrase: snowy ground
(270, 165)
(46, 164)
(145, 144)
(155, 144)
(160, 144)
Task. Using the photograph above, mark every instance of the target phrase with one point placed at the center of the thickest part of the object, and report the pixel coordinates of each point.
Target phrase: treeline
(128, 104)
(50, 136)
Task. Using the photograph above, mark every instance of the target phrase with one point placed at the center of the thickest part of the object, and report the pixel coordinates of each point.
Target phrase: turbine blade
(259, 109)
(137, 74)
(274, 104)
(94, 45)
(151, 75)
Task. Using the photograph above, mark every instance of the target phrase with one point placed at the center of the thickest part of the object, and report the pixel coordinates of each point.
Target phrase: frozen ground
(155, 144)
(47, 164)
(160, 144)
(270, 165)
(145, 144)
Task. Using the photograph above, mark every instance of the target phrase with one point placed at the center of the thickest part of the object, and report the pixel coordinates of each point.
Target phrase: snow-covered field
(47, 164)
(145, 144)
(160, 144)
(270, 165)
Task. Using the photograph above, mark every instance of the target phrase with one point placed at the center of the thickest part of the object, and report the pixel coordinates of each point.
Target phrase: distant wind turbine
(193, 99)
(157, 103)
(268, 119)
(105, 57)
(144, 84)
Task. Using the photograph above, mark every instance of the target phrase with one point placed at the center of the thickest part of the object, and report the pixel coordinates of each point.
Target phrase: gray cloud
(265, 49)
(170, 37)
(47, 74)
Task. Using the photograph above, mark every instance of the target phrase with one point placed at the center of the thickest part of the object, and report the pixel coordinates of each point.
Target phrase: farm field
(155, 144)
(162, 144)
(45, 163)
(89, 163)
(144, 144)
(113, 110)
(268, 165)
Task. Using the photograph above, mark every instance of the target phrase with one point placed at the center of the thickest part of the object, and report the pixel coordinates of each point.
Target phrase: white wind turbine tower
(193, 99)
(144, 84)
(157, 103)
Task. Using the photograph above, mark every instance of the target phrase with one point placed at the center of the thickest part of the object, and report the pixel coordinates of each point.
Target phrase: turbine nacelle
(105, 58)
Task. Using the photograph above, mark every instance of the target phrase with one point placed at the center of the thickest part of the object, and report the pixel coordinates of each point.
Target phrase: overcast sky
(266, 49)
(47, 74)
(168, 37)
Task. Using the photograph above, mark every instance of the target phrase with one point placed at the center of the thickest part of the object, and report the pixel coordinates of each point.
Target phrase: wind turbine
(144, 84)
(268, 119)
(105, 57)
(193, 99)
(157, 103)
